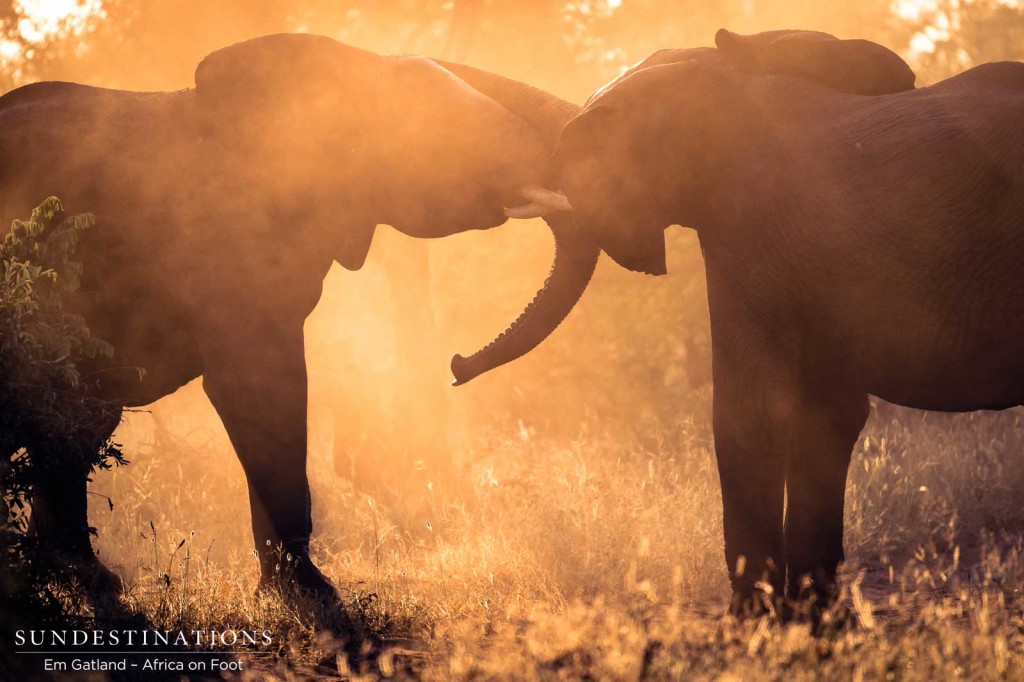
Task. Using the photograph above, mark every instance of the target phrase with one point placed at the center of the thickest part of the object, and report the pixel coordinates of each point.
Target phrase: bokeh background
(581, 474)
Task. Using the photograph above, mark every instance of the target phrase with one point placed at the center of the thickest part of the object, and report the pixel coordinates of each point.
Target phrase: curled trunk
(575, 261)
(575, 255)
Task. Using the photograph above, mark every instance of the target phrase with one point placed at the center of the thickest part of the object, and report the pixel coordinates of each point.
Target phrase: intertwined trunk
(575, 260)
(575, 255)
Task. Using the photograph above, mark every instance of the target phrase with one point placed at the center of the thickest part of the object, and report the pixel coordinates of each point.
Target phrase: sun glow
(9, 51)
(934, 23)
(43, 18)
(913, 10)
(937, 21)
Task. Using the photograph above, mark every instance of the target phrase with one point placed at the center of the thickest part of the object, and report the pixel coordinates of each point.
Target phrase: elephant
(860, 237)
(219, 210)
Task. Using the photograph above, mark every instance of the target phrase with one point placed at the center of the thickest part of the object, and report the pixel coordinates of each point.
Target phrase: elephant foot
(825, 610)
(88, 571)
(299, 576)
(749, 601)
(817, 601)
(97, 577)
(827, 622)
(308, 591)
(312, 581)
(749, 605)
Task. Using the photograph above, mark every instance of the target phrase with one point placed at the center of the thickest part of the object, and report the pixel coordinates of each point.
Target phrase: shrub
(46, 405)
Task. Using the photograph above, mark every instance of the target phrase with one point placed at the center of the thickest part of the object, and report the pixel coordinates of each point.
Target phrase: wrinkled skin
(860, 238)
(219, 211)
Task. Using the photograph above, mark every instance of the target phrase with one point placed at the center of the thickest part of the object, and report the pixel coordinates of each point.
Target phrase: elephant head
(363, 138)
(428, 147)
(635, 159)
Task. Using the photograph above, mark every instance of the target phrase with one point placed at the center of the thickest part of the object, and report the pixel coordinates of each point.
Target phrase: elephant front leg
(255, 377)
(824, 434)
(751, 467)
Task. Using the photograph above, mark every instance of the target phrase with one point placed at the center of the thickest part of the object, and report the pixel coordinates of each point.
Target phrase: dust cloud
(585, 461)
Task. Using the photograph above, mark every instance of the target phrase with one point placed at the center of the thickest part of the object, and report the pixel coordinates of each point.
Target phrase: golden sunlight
(43, 18)
(912, 10)
(10, 51)
(307, 474)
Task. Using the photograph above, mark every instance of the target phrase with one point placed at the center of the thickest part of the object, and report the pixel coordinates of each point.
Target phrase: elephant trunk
(575, 255)
(575, 261)
(547, 113)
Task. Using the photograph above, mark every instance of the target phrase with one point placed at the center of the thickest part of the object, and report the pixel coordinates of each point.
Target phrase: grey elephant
(221, 207)
(861, 237)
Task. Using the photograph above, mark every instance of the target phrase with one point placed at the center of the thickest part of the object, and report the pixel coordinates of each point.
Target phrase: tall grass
(593, 557)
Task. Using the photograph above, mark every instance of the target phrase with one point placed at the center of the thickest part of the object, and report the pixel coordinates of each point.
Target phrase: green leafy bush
(48, 410)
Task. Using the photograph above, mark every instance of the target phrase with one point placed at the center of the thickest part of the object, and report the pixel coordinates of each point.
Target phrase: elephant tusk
(530, 210)
(553, 201)
(542, 202)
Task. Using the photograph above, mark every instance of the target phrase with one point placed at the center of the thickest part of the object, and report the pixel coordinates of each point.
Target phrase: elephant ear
(858, 67)
(280, 79)
(633, 241)
(262, 107)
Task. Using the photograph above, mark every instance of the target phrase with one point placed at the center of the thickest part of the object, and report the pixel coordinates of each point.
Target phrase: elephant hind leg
(60, 511)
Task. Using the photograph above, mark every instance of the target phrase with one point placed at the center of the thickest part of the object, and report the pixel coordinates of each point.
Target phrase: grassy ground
(597, 557)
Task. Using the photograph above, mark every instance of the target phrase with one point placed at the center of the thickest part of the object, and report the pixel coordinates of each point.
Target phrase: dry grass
(593, 558)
